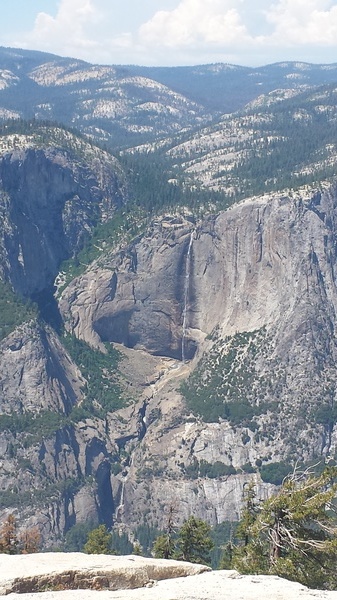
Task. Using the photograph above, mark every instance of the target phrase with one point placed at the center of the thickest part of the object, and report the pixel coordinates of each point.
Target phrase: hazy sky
(174, 32)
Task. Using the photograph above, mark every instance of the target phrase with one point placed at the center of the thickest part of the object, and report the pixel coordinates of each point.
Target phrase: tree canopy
(192, 542)
(293, 534)
(99, 541)
(27, 541)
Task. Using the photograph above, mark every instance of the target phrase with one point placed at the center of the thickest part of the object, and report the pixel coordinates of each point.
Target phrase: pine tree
(164, 545)
(137, 550)
(249, 513)
(194, 542)
(293, 534)
(99, 541)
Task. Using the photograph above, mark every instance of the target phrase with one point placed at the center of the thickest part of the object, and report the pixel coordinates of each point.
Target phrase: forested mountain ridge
(226, 88)
(127, 105)
(175, 301)
(111, 104)
(275, 143)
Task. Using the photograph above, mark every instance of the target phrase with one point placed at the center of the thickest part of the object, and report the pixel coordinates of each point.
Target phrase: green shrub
(275, 472)
(77, 536)
(205, 469)
(99, 541)
(248, 468)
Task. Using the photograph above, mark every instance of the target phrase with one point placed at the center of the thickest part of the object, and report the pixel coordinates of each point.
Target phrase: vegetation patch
(123, 227)
(103, 394)
(157, 185)
(226, 383)
(13, 497)
(103, 390)
(13, 310)
(192, 542)
(293, 533)
(275, 472)
(203, 468)
(34, 425)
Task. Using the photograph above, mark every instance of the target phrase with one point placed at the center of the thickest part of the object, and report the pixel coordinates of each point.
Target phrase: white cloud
(188, 31)
(304, 22)
(68, 31)
(196, 23)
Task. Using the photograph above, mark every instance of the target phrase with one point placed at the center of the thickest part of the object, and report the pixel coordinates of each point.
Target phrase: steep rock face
(265, 263)
(55, 469)
(54, 188)
(138, 300)
(36, 373)
(55, 476)
(49, 200)
(264, 269)
(161, 470)
(248, 299)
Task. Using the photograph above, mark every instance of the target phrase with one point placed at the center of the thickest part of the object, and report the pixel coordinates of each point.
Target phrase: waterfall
(186, 295)
(120, 507)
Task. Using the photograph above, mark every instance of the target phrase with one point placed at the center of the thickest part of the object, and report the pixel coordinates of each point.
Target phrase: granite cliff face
(54, 189)
(267, 265)
(54, 472)
(241, 306)
(263, 270)
(138, 298)
(36, 373)
(240, 270)
(51, 196)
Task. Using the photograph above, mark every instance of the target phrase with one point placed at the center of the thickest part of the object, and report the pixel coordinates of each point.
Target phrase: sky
(174, 32)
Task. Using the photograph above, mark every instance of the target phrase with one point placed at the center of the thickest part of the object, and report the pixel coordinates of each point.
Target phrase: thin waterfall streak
(121, 503)
(186, 296)
(120, 507)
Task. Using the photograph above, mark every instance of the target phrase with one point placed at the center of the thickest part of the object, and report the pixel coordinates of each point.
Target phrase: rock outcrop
(139, 299)
(36, 372)
(40, 572)
(83, 577)
(249, 266)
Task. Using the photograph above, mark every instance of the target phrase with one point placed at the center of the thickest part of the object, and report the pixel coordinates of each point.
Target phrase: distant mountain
(125, 106)
(226, 88)
(113, 105)
(283, 139)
